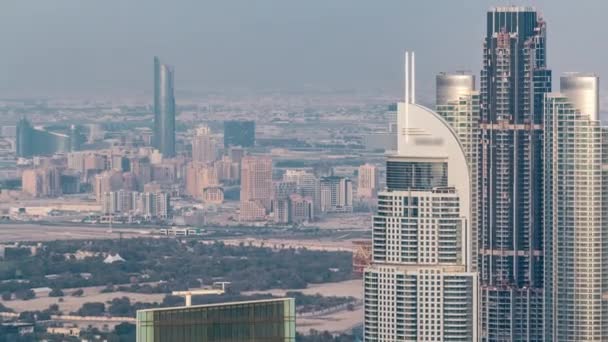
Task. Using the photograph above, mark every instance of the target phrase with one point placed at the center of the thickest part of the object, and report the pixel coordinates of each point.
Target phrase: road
(12, 232)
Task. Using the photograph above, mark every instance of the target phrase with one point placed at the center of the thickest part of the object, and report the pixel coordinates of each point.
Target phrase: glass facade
(263, 320)
(164, 109)
(32, 141)
(514, 79)
(406, 175)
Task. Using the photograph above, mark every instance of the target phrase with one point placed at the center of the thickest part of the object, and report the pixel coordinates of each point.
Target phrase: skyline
(239, 48)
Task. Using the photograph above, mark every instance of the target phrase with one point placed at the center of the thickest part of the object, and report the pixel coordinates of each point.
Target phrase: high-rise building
(37, 141)
(239, 133)
(42, 182)
(575, 213)
(256, 185)
(107, 181)
(258, 320)
(514, 80)
(458, 103)
(164, 109)
(367, 186)
(420, 286)
(336, 194)
(302, 208)
(308, 185)
(204, 147)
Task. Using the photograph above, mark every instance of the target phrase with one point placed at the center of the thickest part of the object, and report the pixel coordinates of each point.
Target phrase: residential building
(204, 146)
(42, 182)
(420, 286)
(336, 194)
(575, 212)
(367, 186)
(458, 103)
(256, 183)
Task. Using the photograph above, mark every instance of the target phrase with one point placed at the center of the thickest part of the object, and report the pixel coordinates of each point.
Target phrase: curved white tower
(419, 286)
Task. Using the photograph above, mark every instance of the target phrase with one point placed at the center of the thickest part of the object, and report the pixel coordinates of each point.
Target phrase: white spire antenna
(407, 77)
(413, 80)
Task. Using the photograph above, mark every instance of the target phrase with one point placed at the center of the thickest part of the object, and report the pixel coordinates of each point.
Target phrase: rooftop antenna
(409, 98)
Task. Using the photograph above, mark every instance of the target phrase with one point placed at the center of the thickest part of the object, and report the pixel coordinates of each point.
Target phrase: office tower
(458, 103)
(239, 133)
(257, 320)
(420, 286)
(204, 147)
(164, 109)
(514, 80)
(37, 141)
(257, 190)
(336, 194)
(576, 209)
(367, 186)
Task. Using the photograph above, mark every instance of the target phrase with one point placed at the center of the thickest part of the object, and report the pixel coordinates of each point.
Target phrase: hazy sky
(89, 46)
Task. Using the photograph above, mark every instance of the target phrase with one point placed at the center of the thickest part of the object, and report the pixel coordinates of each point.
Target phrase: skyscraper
(367, 186)
(514, 80)
(38, 141)
(256, 187)
(420, 286)
(458, 103)
(164, 109)
(576, 213)
(204, 147)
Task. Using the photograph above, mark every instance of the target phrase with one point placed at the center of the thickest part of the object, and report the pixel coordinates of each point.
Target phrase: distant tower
(420, 286)
(257, 189)
(24, 138)
(164, 109)
(575, 213)
(204, 147)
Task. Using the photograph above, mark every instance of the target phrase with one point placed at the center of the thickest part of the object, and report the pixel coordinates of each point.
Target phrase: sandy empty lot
(335, 322)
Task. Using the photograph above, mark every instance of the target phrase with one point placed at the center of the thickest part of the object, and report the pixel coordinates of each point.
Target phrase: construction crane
(218, 288)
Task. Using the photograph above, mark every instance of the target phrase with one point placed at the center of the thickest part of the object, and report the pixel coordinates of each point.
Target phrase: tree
(92, 309)
(56, 292)
(25, 294)
(7, 295)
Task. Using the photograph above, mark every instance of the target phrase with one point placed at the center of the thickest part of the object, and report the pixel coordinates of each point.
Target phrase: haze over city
(313, 171)
(93, 48)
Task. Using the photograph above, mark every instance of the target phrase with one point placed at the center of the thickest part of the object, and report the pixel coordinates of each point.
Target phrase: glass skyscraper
(38, 141)
(272, 320)
(576, 213)
(420, 286)
(164, 109)
(514, 80)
